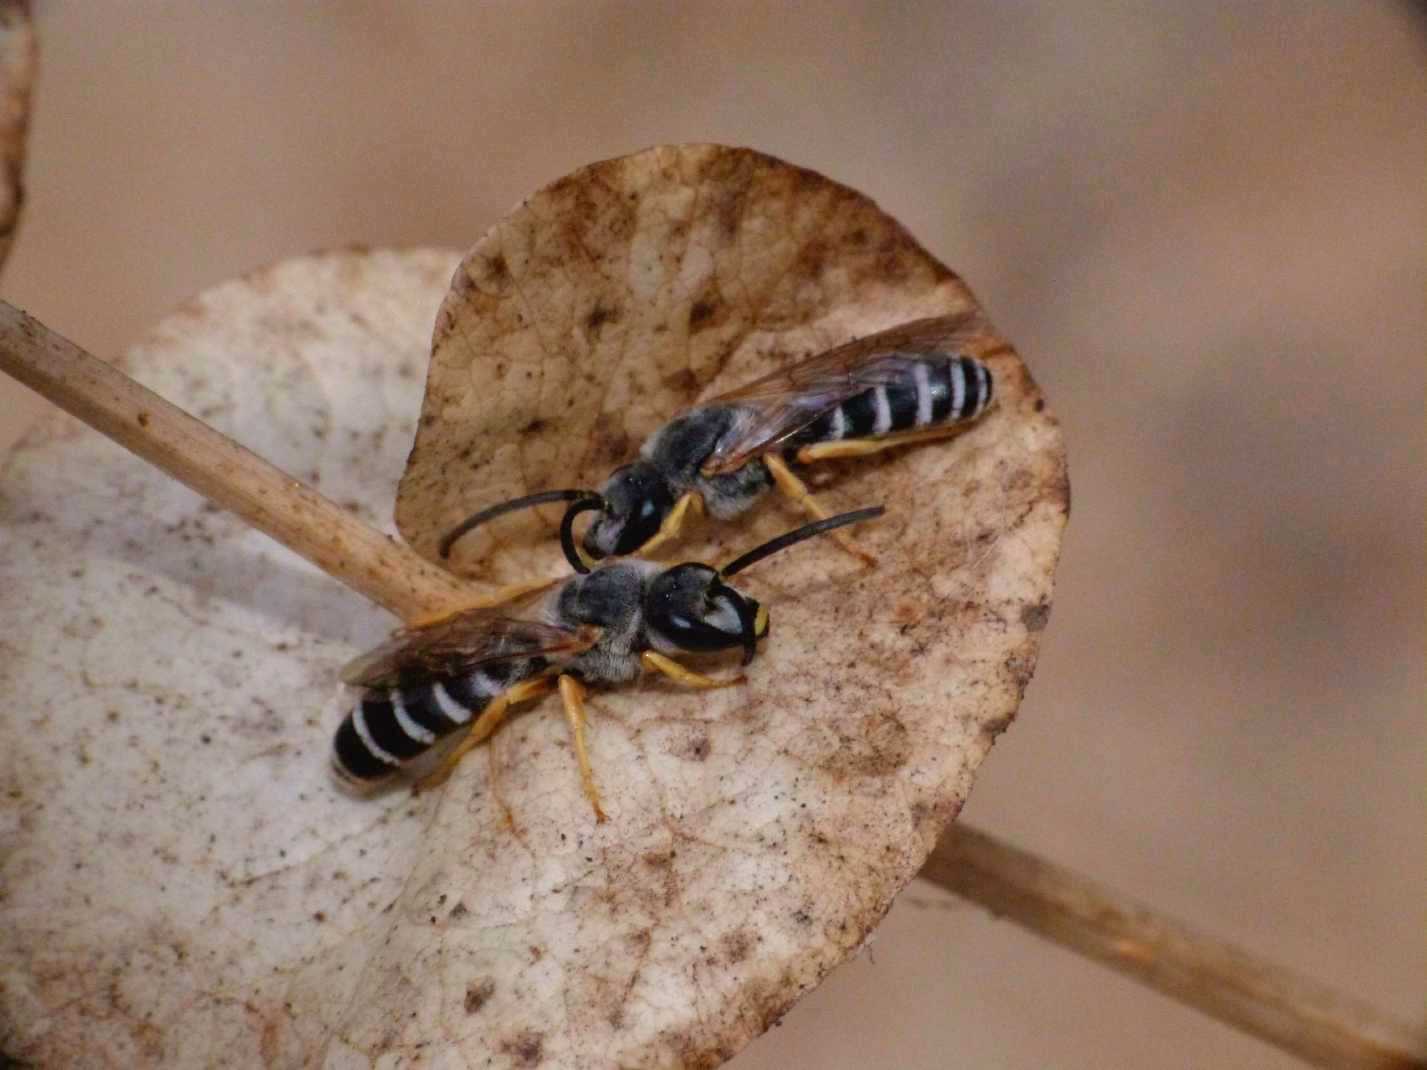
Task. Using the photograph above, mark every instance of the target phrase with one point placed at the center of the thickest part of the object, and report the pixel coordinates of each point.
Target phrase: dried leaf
(182, 884)
(174, 861)
(761, 833)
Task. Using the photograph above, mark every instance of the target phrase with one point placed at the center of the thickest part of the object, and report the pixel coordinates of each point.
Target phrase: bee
(466, 670)
(912, 383)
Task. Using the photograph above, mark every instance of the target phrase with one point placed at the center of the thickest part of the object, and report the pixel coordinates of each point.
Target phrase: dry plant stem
(226, 473)
(1299, 1015)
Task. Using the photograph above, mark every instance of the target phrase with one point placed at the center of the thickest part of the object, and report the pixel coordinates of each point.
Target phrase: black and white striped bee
(912, 383)
(466, 670)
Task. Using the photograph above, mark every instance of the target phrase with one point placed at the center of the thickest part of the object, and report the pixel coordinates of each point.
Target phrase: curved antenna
(567, 530)
(797, 535)
(475, 520)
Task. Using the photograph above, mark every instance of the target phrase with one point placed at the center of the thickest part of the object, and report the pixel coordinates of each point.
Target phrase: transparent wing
(790, 398)
(457, 644)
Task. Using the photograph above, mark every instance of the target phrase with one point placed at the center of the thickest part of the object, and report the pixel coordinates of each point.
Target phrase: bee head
(689, 608)
(635, 500)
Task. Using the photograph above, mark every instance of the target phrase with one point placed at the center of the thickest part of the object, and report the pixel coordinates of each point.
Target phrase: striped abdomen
(929, 393)
(390, 726)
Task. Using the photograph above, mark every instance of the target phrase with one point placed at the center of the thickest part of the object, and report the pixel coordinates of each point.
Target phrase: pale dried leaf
(758, 833)
(180, 883)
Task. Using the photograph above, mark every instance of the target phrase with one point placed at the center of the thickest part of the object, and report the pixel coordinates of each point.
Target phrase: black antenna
(475, 520)
(807, 531)
(567, 529)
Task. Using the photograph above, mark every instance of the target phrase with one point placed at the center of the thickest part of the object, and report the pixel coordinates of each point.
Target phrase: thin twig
(1299, 1015)
(369, 562)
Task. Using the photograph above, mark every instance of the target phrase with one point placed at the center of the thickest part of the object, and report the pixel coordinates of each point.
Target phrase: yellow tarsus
(797, 490)
(656, 662)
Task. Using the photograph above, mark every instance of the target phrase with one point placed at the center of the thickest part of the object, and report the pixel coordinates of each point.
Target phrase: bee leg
(692, 502)
(573, 694)
(480, 730)
(796, 489)
(499, 597)
(861, 447)
(656, 662)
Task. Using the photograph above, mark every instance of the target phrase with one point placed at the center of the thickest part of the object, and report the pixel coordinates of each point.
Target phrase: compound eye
(644, 521)
(679, 608)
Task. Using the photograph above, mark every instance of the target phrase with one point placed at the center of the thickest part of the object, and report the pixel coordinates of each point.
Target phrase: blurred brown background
(1202, 224)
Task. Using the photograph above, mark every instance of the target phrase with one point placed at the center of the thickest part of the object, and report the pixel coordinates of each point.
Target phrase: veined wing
(787, 400)
(456, 645)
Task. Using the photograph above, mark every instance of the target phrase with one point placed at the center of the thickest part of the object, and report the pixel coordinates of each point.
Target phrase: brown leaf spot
(1034, 617)
(695, 747)
(996, 725)
(599, 316)
(609, 442)
(527, 1048)
(705, 313)
(143, 419)
(879, 745)
(496, 269)
(737, 945)
(683, 381)
(478, 993)
(812, 258)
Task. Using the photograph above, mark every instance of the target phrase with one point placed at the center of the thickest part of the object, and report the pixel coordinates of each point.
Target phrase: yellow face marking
(760, 622)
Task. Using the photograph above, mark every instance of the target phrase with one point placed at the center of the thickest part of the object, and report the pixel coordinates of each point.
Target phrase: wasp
(912, 383)
(607, 626)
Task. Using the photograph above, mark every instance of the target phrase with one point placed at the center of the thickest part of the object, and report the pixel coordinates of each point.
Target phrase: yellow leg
(573, 694)
(861, 447)
(480, 730)
(656, 662)
(499, 597)
(692, 502)
(796, 489)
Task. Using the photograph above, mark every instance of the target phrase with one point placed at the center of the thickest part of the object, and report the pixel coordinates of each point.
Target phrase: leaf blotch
(526, 1049)
(478, 993)
(683, 381)
(703, 314)
(599, 316)
(693, 745)
(496, 269)
(737, 946)
(1035, 617)
(878, 744)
